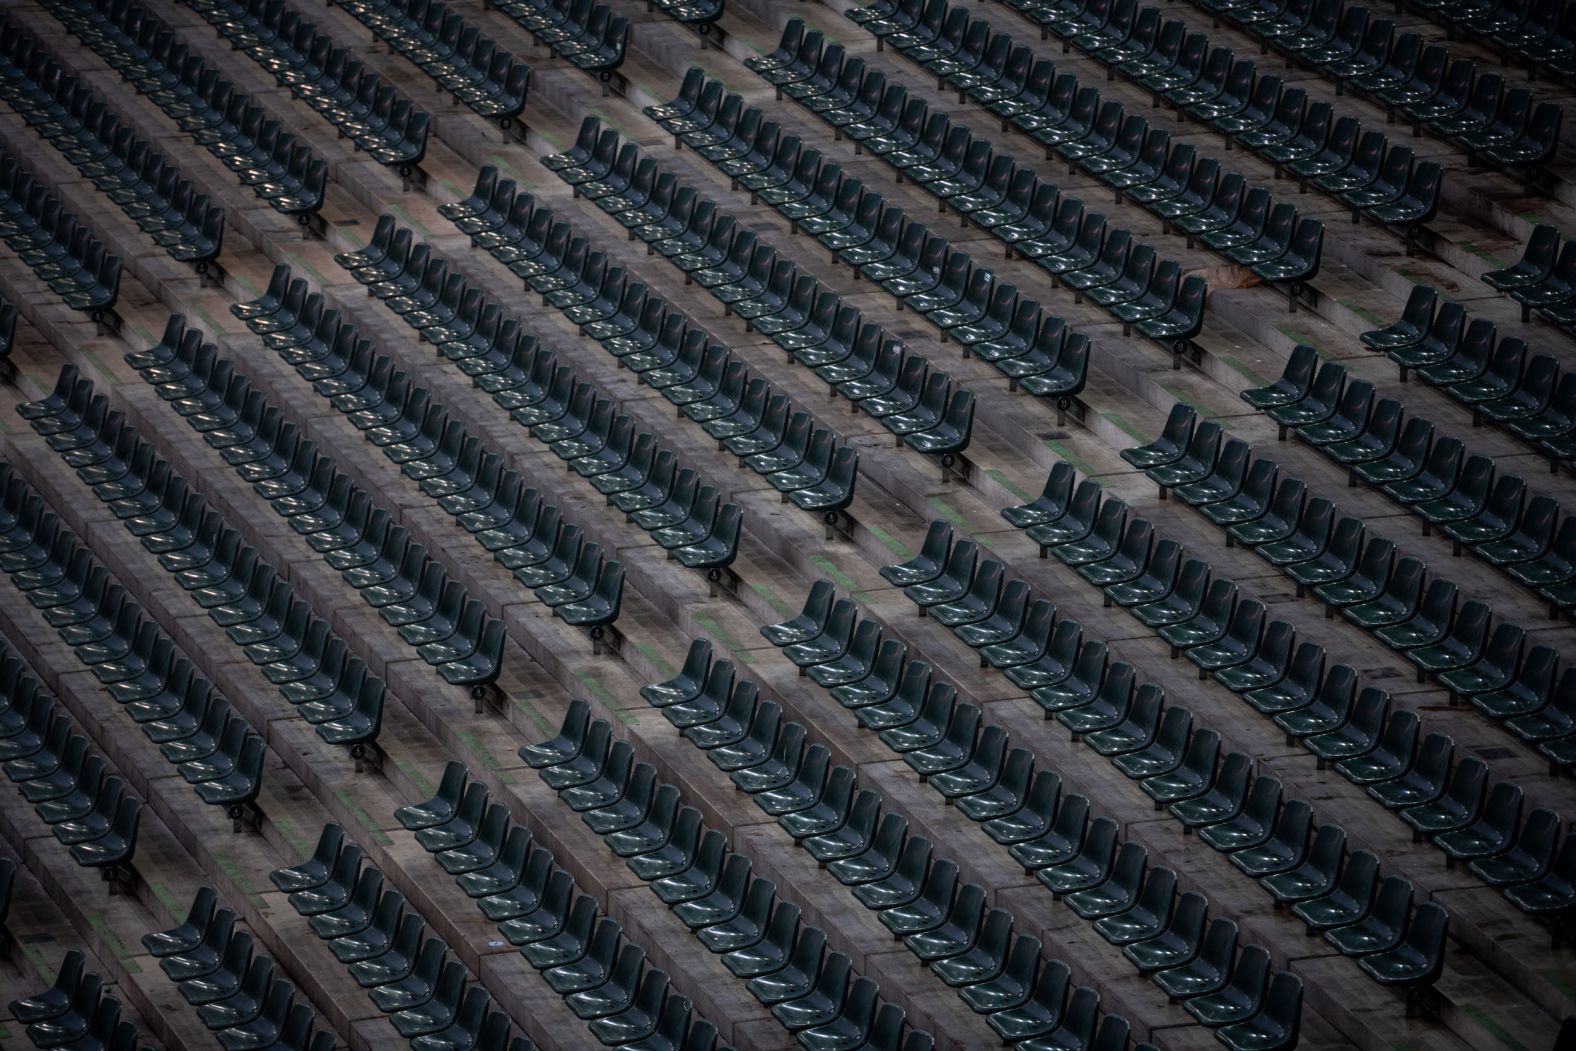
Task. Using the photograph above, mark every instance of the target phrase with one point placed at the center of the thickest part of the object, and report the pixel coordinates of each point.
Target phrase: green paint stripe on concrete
(5, 1033)
(1121, 423)
(1558, 980)
(658, 661)
(1362, 312)
(773, 600)
(1245, 370)
(98, 362)
(244, 283)
(411, 221)
(363, 818)
(890, 542)
(116, 946)
(841, 579)
(759, 46)
(488, 759)
(1008, 484)
(459, 193)
(1481, 1017)
(540, 721)
(144, 337)
(951, 514)
(40, 964)
(421, 784)
(302, 264)
(1083, 467)
(240, 877)
(724, 636)
(206, 318)
(167, 898)
(599, 691)
(287, 829)
(1296, 335)
(1468, 246)
(504, 168)
(1187, 399)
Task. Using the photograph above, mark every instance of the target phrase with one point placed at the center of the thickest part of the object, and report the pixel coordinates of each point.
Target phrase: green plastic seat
(1555, 719)
(1493, 831)
(1178, 943)
(1556, 891)
(1429, 624)
(1277, 1027)
(1118, 892)
(1182, 602)
(1420, 957)
(1243, 995)
(1458, 807)
(1172, 444)
(1402, 595)
(1413, 325)
(1529, 856)
(1424, 779)
(1268, 664)
(1461, 646)
(1357, 735)
(1279, 520)
(1294, 384)
(1208, 971)
(1302, 682)
(1316, 875)
(1348, 900)
(1252, 825)
(1148, 916)
(1381, 927)
(1285, 848)
(1250, 502)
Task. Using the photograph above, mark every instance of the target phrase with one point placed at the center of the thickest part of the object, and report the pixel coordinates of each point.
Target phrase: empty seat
(1418, 959)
